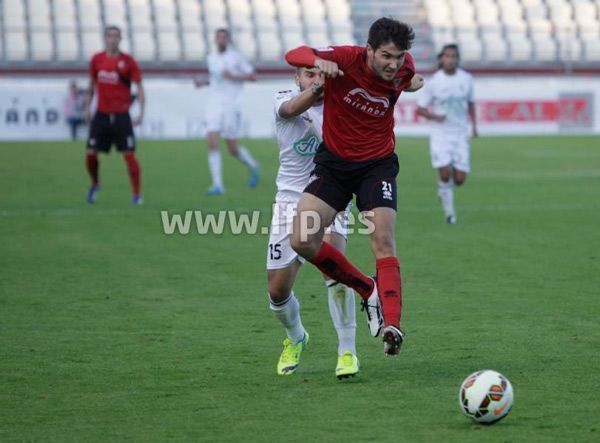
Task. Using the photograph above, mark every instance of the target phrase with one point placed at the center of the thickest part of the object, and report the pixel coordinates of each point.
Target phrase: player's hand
(328, 69)
(416, 83)
(439, 118)
(87, 115)
(138, 120)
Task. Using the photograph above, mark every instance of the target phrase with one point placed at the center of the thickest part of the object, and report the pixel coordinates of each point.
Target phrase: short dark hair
(225, 30)
(452, 46)
(387, 30)
(112, 28)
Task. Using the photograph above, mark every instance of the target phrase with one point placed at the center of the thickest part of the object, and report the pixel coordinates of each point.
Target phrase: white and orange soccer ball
(486, 396)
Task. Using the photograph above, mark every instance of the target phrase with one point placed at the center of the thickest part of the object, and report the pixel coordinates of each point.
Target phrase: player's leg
(461, 160)
(125, 142)
(214, 125)
(283, 264)
(215, 163)
(231, 133)
(446, 193)
(285, 307)
(389, 280)
(459, 177)
(377, 199)
(342, 308)
(73, 128)
(99, 139)
(441, 159)
(312, 215)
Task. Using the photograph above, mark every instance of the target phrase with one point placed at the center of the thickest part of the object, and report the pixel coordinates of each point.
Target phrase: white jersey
(298, 139)
(221, 89)
(449, 95)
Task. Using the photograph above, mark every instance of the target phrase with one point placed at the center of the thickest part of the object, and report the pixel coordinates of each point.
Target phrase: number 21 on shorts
(386, 189)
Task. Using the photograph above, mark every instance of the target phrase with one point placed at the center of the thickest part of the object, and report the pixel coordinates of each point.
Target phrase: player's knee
(278, 293)
(305, 247)
(444, 174)
(459, 179)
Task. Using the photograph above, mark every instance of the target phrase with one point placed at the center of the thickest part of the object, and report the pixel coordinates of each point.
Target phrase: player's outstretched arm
(416, 83)
(306, 57)
(302, 102)
(251, 77)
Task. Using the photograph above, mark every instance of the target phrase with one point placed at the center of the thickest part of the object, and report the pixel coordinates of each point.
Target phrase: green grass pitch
(112, 330)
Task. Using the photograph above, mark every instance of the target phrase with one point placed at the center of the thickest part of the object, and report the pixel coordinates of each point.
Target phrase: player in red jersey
(111, 75)
(357, 157)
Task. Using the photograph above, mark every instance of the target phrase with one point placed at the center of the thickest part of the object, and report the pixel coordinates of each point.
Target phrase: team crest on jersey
(307, 145)
(360, 99)
(121, 64)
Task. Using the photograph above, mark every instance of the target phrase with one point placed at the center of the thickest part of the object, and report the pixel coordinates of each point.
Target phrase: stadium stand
(172, 33)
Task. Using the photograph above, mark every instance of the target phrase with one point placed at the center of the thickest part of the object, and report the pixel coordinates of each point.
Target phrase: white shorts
(450, 149)
(280, 254)
(227, 120)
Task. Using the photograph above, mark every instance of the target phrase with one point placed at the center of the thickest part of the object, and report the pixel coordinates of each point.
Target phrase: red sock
(91, 163)
(389, 286)
(134, 171)
(335, 265)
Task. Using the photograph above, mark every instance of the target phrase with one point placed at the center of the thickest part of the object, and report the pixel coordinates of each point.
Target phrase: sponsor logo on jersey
(110, 77)
(307, 145)
(360, 99)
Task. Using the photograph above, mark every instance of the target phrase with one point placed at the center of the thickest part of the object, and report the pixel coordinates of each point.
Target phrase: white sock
(215, 165)
(288, 313)
(343, 314)
(446, 195)
(246, 158)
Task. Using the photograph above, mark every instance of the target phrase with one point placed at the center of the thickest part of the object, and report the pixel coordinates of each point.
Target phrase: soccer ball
(486, 396)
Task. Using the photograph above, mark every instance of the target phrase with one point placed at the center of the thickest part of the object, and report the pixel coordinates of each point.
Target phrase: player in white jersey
(299, 119)
(447, 101)
(228, 70)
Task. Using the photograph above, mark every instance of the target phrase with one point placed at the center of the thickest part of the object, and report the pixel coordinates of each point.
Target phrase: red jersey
(113, 76)
(358, 116)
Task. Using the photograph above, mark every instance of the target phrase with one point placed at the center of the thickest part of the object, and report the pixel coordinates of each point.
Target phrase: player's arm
(136, 77)
(307, 57)
(473, 116)
(424, 112)
(251, 77)
(425, 101)
(89, 95)
(301, 102)
(416, 83)
(141, 97)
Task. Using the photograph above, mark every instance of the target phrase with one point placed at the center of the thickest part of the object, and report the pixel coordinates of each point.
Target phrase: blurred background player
(228, 70)
(73, 108)
(447, 101)
(298, 121)
(111, 74)
(357, 157)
